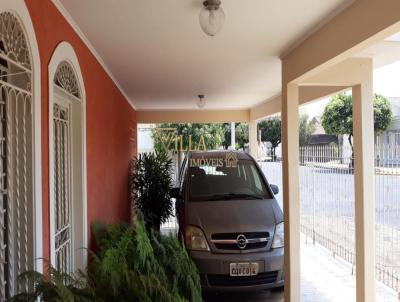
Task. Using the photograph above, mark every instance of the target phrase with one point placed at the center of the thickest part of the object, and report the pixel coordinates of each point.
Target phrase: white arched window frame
(20, 11)
(64, 55)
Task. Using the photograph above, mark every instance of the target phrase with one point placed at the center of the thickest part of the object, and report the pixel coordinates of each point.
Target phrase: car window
(257, 180)
(220, 182)
(211, 170)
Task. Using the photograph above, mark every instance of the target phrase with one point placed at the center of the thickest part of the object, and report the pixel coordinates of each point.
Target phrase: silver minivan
(230, 222)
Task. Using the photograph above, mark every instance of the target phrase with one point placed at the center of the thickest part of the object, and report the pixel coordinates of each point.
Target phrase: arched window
(65, 78)
(16, 156)
(68, 214)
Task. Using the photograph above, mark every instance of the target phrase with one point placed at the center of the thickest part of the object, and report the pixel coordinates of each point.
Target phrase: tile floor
(324, 279)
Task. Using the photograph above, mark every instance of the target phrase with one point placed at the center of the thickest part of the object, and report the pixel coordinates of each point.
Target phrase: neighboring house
(389, 140)
(319, 137)
(145, 138)
(323, 140)
(265, 150)
(67, 136)
(392, 135)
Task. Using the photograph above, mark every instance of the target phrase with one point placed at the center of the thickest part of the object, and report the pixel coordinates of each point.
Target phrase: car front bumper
(215, 275)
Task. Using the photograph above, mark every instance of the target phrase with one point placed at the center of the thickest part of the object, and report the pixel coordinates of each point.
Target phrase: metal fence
(327, 203)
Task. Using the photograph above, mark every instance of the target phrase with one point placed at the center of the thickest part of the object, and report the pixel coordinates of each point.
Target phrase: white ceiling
(158, 54)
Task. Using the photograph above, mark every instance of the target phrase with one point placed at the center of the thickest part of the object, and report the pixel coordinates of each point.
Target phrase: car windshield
(217, 180)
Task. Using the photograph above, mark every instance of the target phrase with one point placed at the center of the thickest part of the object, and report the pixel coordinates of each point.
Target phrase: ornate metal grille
(62, 190)
(66, 79)
(13, 40)
(16, 167)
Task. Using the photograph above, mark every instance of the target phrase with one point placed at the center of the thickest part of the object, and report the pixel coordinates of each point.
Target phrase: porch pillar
(233, 136)
(363, 128)
(291, 196)
(253, 142)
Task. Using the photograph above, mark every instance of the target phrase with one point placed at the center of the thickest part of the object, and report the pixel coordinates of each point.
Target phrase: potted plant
(150, 186)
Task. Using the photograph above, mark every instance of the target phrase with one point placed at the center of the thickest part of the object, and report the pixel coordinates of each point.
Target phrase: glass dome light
(201, 102)
(212, 17)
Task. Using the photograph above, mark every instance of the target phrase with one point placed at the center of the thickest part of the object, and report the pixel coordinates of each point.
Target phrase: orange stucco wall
(111, 123)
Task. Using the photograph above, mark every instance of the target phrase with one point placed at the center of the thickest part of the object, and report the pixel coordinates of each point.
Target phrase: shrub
(56, 287)
(133, 264)
(133, 257)
(150, 186)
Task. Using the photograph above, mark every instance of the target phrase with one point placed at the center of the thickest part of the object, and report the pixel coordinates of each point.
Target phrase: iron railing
(327, 203)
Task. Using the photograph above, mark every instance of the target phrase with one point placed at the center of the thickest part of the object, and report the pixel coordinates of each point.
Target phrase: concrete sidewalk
(325, 278)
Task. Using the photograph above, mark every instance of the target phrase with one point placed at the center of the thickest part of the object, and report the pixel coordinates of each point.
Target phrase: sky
(386, 82)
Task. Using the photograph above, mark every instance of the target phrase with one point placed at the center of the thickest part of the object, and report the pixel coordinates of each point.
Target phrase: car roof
(240, 155)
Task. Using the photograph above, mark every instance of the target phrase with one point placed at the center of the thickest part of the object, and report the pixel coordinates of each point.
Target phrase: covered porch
(314, 69)
(77, 77)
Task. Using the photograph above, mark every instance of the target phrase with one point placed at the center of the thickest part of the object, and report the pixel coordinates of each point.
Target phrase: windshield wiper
(233, 196)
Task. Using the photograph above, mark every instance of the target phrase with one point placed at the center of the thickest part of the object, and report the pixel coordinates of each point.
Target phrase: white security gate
(66, 184)
(62, 189)
(16, 166)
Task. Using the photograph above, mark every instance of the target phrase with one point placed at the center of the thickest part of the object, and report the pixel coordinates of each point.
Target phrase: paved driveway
(265, 296)
(323, 279)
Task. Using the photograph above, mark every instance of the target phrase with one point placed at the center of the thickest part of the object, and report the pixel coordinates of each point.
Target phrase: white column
(253, 142)
(363, 128)
(233, 137)
(291, 196)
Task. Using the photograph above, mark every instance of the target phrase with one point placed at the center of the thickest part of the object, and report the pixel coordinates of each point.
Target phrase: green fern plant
(132, 264)
(179, 267)
(57, 287)
(159, 264)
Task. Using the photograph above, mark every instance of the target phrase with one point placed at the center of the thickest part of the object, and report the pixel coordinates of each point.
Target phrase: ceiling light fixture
(201, 102)
(212, 17)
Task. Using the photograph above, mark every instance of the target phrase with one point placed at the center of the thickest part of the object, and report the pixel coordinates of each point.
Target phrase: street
(331, 192)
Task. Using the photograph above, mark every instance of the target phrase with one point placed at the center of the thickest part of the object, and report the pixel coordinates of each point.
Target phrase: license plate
(243, 269)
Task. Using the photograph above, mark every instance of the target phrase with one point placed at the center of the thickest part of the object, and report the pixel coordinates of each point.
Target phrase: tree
(306, 129)
(337, 118)
(241, 135)
(213, 134)
(383, 114)
(271, 132)
(226, 142)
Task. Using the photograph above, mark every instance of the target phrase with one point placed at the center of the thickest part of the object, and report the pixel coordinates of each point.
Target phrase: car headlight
(278, 236)
(195, 239)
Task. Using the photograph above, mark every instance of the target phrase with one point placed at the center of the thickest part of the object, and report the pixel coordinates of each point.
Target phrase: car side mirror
(275, 189)
(175, 193)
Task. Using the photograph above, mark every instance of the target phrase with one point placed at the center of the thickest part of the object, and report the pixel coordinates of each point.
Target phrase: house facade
(392, 135)
(67, 136)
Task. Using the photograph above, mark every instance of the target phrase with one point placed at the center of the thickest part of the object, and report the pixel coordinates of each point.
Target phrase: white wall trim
(21, 11)
(65, 52)
(89, 45)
